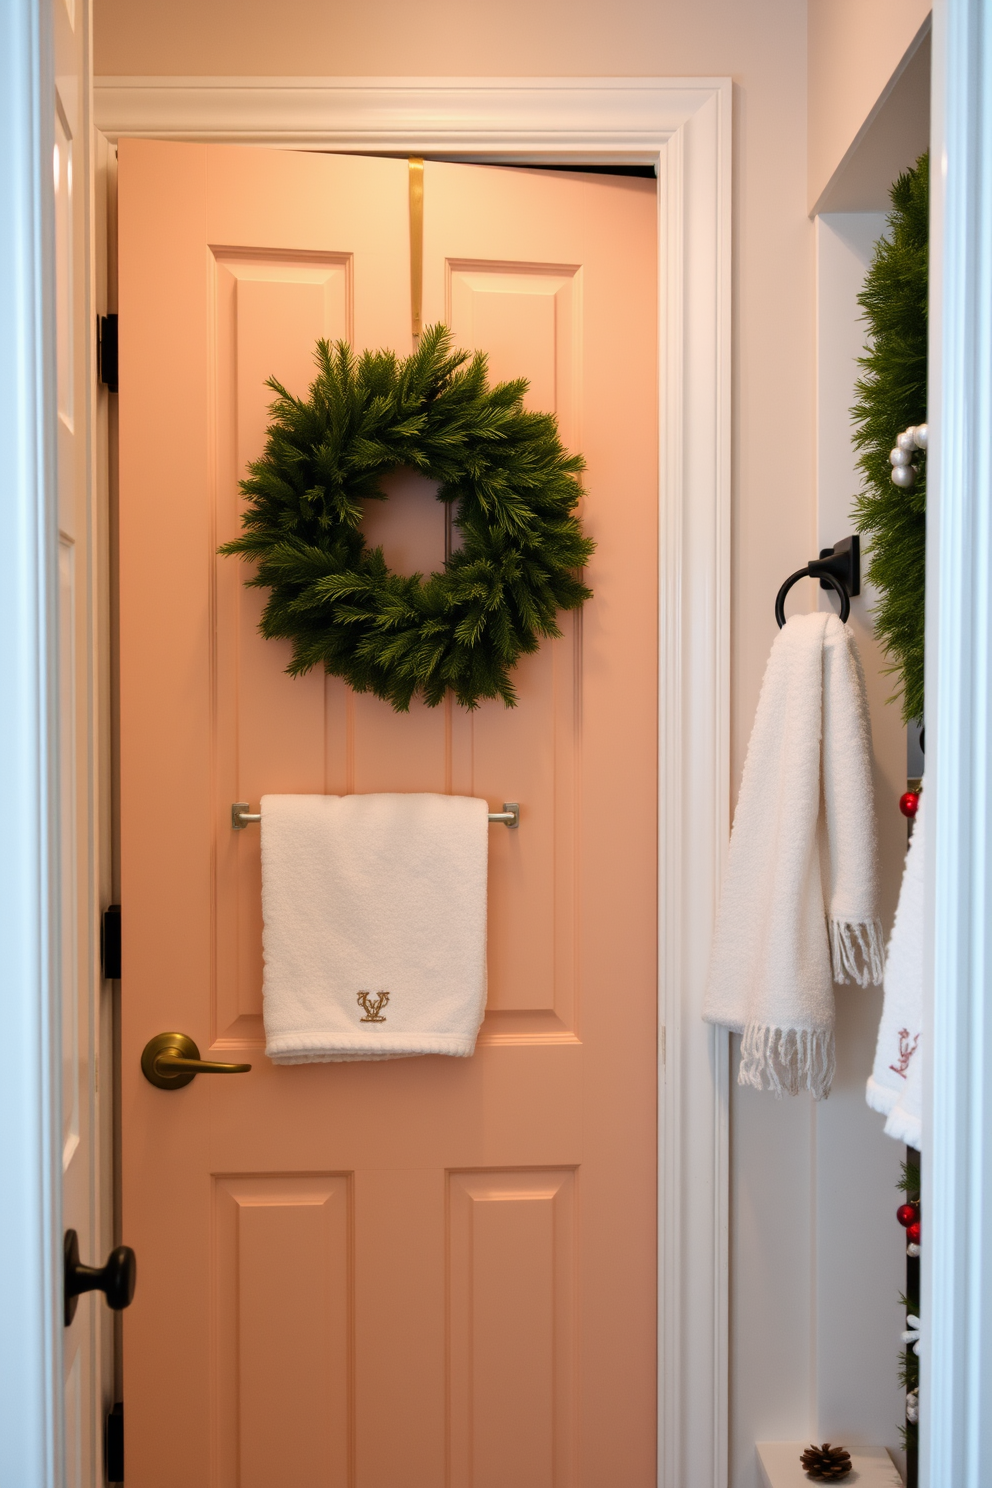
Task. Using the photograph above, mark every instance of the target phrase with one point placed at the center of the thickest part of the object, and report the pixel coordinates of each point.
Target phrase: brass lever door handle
(172, 1060)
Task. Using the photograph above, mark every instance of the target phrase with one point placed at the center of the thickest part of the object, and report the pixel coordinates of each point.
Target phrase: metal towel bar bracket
(837, 568)
(241, 816)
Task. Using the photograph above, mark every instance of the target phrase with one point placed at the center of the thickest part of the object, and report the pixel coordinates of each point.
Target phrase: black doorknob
(116, 1279)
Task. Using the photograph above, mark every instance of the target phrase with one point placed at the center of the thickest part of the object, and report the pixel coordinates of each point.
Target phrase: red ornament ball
(913, 1232)
(909, 804)
(906, 1214)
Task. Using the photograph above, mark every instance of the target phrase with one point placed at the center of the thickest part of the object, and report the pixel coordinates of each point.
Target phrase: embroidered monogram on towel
(374, 1008)
(906, 1052)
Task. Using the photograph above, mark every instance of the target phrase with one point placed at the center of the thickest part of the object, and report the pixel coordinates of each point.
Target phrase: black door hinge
(113, 1445)
(106, 350)
(111, 948)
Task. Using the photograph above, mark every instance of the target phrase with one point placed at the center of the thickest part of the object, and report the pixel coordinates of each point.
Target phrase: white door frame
(30, 1124)
(956, 1374)
(682, 127)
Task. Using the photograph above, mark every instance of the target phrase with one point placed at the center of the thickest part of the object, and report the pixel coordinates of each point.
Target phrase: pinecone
(827, 1462)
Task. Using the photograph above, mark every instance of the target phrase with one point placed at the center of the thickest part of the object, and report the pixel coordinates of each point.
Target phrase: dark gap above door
(644, 172)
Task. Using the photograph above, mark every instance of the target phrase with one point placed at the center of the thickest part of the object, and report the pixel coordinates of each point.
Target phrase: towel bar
(241, 816)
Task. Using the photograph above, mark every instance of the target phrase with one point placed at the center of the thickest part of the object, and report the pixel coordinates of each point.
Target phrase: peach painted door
(423, 1273)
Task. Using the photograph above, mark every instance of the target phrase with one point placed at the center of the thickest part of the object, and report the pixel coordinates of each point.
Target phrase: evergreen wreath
(892, 396)
(463, 629)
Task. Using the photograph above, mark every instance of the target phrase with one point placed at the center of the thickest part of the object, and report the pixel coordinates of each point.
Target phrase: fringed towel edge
(903, 1127)
(880, 1098)
(857, 951)
(787, 1060)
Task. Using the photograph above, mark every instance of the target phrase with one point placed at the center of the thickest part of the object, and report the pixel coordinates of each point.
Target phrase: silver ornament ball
(903, 476)
(906, 440)
(902, 454)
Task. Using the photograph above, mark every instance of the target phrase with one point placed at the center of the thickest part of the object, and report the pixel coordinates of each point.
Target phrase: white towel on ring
(895, 1086)
(799, 903)
(374, 925)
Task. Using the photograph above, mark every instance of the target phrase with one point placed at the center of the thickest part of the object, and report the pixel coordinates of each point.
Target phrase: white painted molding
(682, 127)
(956, 1361)
(30, 1123)
(616, 120)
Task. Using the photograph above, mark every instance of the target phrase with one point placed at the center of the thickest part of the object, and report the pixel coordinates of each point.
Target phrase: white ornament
(912, 1333)
(901, 458)
(912, 1407)
(913, 1250)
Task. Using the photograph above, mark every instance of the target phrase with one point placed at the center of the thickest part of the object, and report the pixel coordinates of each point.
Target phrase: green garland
(909, 1363)
(892, 396)
(458, 631)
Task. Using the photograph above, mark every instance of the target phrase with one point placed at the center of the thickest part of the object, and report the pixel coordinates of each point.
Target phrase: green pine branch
(891, 397)
(909, 1181)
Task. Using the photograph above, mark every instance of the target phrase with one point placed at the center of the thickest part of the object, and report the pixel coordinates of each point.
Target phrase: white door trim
(956, 1372)
(30, 1124)
(682, 126)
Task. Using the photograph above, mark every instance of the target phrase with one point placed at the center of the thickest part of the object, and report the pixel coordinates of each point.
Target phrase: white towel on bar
(374, 934)
(799, 903)
(895, 1086)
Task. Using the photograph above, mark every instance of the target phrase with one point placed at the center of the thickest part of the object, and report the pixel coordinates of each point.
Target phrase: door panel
(428, 1271)
(525, 316)
(270, 311)
(284, 1349)
(512, 1328)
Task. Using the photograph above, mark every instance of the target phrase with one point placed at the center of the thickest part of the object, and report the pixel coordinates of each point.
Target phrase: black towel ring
(829, 582)
(837, 568)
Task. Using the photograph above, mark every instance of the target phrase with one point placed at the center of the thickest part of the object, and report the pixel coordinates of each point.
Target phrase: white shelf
(780, 1466)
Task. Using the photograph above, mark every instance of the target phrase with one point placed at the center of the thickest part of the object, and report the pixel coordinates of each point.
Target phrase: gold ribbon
(416, 246)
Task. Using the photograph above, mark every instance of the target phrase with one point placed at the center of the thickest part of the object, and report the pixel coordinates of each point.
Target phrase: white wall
(819, 1258)
(859, 1246)
(855, 47)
